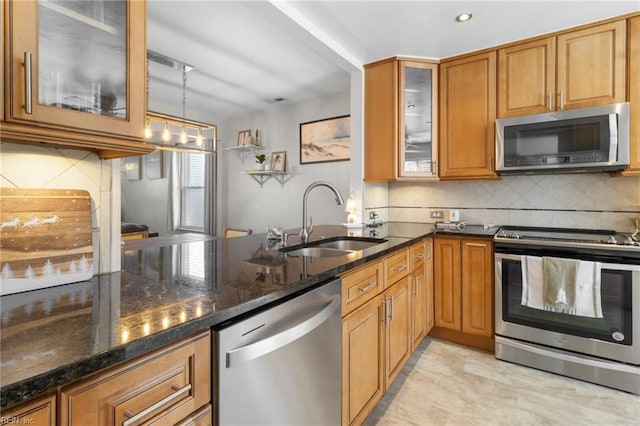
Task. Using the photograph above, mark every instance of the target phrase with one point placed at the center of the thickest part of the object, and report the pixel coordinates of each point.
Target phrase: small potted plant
(261, 162)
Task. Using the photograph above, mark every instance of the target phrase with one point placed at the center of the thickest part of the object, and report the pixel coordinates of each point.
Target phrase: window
(192, 192)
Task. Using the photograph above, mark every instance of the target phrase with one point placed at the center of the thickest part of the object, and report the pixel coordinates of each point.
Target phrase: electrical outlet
(437, 214)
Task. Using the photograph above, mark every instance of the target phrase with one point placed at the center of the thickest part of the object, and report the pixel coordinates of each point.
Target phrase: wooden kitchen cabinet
(397, 328)
(376, 334)
(421, 294)
(362, 360)
(428, 277)
(400, 119)
(38, 412)
(360, 285)
(634, 96)
(86, 91)
(463, 296)
(467, 117)
(163, 387)
(527, 71)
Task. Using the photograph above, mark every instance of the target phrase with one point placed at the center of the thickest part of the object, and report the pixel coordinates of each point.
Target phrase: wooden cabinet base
(478, 342)
(106, 146)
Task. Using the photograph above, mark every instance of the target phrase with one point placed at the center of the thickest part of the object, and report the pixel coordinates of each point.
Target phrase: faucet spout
(307, 230)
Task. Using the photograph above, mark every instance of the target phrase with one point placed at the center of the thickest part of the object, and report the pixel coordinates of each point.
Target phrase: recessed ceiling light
(464, 17)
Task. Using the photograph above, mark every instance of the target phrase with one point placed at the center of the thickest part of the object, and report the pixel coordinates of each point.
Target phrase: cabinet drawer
(417, 255)
(39, 412)
(396, 266)
(162, 388)
(361, 285)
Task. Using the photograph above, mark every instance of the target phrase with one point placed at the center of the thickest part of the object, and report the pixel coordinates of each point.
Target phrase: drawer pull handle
(144, 413)
(369, 286)
(400, 268)
(27, 83)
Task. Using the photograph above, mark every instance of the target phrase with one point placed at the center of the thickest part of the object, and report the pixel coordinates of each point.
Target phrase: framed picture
(325, 140)
(154, 165)
(278, 161)
(132, 168)
(244, 137)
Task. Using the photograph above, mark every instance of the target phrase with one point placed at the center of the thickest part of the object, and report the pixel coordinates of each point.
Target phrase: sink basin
(348, 243)
(333, 247)
(319, 252)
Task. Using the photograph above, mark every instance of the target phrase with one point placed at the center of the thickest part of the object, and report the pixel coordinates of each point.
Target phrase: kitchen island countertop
(54, 336)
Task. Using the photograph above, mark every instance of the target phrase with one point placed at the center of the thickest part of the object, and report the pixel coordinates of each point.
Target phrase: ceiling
(246, 54)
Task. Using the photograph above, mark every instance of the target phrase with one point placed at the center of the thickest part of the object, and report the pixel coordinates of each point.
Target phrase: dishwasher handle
(277, 341)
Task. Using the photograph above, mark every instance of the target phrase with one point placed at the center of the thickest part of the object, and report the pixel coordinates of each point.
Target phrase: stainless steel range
(568, 302)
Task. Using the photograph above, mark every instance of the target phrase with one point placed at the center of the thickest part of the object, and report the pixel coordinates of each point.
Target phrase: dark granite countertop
(54, 336)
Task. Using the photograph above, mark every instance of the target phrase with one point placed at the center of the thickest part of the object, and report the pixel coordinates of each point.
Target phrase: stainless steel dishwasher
(283, 366)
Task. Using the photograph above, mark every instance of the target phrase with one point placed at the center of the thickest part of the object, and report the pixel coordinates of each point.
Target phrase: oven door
(615, 336)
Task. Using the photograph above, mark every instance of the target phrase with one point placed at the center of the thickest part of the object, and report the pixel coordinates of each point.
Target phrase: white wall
(37, 166)
(593, 200)
(146, 201)
(245, 205)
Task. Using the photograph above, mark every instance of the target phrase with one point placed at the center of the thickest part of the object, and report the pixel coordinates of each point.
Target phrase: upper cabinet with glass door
(401, 120)
(76, 74)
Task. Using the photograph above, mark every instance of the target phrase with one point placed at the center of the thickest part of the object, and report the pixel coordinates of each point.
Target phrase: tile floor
(447, 384)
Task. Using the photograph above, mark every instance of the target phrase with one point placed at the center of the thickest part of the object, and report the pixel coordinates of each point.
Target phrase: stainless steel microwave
(587, 139)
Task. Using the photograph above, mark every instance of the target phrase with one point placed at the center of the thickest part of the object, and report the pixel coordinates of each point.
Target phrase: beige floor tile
(448, 384)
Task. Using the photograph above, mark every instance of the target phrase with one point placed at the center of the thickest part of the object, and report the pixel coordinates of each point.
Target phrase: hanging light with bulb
(200, 132)
(166, 133)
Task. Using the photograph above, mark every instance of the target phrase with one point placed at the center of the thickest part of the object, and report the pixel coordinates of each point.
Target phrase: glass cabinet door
(418, 119)
(76, 39)
(79, 64)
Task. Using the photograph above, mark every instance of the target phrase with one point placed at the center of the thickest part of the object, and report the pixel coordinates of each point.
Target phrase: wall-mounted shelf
(243, 150)
(261, 176)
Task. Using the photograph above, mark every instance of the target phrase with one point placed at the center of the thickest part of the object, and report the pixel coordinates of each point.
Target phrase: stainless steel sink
(319, 252)
(348, 244)
(333, 247)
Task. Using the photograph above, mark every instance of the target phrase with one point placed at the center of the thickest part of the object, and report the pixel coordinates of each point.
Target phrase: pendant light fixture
(183, 133)
(193, 136)
(148, 132)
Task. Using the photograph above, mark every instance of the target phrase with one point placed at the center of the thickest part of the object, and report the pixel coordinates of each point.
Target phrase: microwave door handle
(613, 138)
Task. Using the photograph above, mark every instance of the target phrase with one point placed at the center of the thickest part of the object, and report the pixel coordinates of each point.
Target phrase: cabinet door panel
(477, 287)
(362, 363)
(418, 306)
(634, 94)
(175, 381)
(417, 119)
(39, 412)
(380, 121)
(398, 329)
(428, 277)
(468, 112)
(446, 276)
(526, 78)
(601, 51)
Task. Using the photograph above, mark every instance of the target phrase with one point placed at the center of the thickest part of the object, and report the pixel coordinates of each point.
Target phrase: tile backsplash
(36, 166)
(593, 200)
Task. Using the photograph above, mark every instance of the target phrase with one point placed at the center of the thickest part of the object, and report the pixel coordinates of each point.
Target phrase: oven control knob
(515, 235)
(502, 234)
(629, 242)
(612, 240)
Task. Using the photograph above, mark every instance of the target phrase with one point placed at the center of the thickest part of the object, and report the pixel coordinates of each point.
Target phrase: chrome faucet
(306, 231)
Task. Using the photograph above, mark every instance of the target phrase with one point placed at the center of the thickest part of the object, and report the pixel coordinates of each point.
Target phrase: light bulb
(183, 136)
(147, 131)
(166, 134)
(199, 139)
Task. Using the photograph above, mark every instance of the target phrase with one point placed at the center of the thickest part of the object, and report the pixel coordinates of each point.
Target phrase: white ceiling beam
(309, 33)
